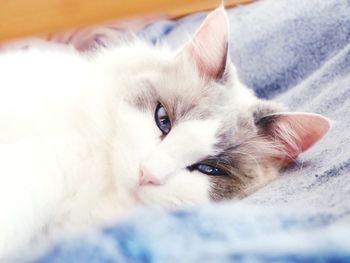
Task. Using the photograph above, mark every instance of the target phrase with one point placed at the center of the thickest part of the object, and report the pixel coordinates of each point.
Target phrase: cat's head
(187, 130)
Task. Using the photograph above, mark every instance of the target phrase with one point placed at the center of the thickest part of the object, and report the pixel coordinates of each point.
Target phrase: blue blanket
(295, 52)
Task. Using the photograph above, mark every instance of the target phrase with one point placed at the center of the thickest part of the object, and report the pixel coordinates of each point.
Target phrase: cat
(84, 138)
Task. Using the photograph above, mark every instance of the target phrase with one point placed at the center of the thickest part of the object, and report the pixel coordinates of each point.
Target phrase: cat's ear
(294, 131)
(208, 47)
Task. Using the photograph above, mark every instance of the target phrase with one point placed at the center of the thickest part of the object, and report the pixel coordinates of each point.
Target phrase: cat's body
(79, 143)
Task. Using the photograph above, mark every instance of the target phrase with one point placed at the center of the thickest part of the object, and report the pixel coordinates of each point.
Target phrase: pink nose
(146, 178)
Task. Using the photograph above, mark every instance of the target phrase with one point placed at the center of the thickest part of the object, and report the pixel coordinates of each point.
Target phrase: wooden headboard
(20, 18)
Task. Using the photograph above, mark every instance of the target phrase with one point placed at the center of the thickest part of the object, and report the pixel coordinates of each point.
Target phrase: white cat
(85, 138)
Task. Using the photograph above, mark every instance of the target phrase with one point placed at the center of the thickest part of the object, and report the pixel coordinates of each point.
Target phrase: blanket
(295, 52)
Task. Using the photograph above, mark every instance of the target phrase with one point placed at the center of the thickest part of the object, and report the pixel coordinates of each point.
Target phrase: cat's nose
(146, 178)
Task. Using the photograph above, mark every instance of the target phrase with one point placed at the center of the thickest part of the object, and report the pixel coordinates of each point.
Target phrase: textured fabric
(298, 53)
(222, 233)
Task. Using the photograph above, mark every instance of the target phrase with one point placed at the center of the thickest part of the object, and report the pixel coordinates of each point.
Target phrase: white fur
(70, 146)
(189, 142)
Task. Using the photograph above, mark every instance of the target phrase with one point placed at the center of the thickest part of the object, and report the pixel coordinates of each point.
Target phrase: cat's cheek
(183, 188)
(135, 138)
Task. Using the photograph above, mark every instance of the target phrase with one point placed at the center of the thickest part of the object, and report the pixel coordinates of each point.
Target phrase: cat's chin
(144, 194)
(151, 195)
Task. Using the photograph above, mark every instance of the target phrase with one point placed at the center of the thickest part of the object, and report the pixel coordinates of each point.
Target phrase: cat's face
(188, 131)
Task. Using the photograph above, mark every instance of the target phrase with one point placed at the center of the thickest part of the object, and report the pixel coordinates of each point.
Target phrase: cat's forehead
(187, 96)
(182, 91)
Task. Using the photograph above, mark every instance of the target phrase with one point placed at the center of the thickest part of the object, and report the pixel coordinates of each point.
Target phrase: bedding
(295, 52)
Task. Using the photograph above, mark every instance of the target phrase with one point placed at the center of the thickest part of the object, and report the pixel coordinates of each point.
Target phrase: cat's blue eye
(207, 169)
(162, 119)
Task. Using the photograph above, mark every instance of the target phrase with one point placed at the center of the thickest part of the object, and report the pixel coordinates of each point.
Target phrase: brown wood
(20, 18)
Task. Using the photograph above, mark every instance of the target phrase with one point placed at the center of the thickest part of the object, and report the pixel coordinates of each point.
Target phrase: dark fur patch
(246, 154)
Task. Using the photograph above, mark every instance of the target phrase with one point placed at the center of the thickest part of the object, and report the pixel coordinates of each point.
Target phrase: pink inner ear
(208, 47)
(298, 131)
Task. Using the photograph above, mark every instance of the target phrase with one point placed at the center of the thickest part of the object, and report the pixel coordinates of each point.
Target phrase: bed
(295, 52)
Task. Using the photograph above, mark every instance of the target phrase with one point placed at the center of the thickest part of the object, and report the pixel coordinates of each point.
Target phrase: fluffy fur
(77, 132)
